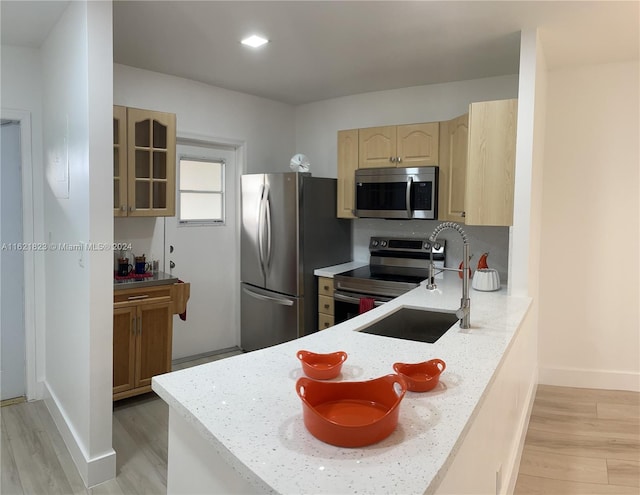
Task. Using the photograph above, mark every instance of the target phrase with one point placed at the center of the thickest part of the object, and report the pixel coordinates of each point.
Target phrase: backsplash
(146, 236)
(494, 240)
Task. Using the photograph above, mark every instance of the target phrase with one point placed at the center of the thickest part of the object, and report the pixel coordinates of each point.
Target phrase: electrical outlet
(499, 479)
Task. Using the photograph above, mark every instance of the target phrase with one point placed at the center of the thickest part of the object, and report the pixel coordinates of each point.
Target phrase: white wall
(266, 126)
(589, 296)
(263, 128)
(77, 129)
(317, 125)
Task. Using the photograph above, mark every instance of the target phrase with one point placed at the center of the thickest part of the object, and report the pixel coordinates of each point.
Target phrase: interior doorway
(13, 335)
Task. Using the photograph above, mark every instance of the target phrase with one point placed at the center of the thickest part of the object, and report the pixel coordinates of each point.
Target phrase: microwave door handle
(408, 197)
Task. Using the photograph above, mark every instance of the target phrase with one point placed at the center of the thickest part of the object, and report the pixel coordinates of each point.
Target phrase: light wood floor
(35, 460)
(580, 441)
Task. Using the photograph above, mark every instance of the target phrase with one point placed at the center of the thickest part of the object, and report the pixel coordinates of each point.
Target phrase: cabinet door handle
(326, 306)
(144, 296)
(392, 159)
(398, 159)
(326, 287)
(133, 325)
(140, 326)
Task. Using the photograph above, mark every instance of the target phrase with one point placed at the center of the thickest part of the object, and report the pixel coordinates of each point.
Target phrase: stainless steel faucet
(464, 312)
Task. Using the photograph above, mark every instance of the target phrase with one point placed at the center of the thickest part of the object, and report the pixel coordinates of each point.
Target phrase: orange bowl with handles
(421, 377)
(322, 366)
(351, 414)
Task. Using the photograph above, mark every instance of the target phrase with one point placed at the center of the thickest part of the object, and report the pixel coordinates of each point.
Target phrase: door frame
(32, 278)
(240, 148)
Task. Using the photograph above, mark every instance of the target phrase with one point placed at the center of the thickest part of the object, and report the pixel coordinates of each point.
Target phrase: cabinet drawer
(325, 286)
(325, 305)
(144, 295)
(324, 321)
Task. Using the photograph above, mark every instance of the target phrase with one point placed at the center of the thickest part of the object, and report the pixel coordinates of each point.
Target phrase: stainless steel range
(396, 265)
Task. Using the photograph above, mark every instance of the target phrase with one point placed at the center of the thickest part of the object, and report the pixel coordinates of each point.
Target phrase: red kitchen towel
(183, 316)
(366, 304)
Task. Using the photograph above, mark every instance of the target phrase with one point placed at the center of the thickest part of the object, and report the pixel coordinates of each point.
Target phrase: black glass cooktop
(366, 273)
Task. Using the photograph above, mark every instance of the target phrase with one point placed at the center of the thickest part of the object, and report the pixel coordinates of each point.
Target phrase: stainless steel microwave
(397, 193)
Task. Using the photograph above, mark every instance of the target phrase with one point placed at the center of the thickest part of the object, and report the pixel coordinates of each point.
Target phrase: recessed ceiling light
(254, 41)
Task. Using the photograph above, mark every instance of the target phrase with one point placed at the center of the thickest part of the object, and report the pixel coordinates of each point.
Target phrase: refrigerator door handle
(261, 230)
(267, 202)
(277, 300)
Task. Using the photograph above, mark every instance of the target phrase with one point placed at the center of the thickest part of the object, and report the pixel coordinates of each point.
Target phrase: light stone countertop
(330, 271)
(158, 278)
(246, 406)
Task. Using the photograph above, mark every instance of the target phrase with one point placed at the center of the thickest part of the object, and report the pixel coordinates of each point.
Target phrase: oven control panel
(406, 245)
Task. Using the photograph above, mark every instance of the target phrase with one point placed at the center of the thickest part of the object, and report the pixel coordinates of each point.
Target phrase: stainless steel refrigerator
(289, 228)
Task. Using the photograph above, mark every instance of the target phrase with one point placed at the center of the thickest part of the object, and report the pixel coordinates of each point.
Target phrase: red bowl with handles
(421, 377)
(351, 414)
(322, 366)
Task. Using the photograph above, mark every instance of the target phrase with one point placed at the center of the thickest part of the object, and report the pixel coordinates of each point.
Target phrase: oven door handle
(337, 296)
(408, 196)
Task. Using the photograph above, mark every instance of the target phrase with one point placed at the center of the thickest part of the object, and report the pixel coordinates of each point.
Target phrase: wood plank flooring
(35, 460)
(581, 441)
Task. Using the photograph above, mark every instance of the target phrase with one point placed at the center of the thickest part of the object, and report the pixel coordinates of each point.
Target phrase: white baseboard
(589, 378)
(93, 470)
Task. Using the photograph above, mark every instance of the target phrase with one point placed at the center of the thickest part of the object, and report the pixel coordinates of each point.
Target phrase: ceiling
(327, 49)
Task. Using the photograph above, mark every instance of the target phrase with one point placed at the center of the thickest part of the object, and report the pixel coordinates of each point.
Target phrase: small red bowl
(351, 414)
(322, 366)
(421, 377)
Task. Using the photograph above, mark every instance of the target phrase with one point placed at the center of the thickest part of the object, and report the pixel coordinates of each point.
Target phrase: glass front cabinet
(144, 154)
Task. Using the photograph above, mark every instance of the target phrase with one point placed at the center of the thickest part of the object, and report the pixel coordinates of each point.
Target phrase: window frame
(222, 192)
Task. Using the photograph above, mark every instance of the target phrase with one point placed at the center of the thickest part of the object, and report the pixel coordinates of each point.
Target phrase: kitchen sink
(413, 324)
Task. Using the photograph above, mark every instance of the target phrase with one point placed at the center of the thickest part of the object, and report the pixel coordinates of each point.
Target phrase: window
(200, 191)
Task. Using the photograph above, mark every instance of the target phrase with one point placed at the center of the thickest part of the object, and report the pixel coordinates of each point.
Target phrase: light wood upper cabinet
(454, 135)
(491, 163)
(477, 164)
(377, 146)
(417, 144)
(144, 162)
(120, 161)
(151, 139)
(347, 166)
(411, 145)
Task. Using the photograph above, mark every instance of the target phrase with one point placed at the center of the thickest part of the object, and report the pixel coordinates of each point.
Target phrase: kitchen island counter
(245, 411)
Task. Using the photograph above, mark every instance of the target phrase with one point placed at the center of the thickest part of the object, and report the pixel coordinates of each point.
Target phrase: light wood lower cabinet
(142, 335)
(325, 303)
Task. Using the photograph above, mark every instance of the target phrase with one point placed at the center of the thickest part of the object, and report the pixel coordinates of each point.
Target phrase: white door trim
(33, 391)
